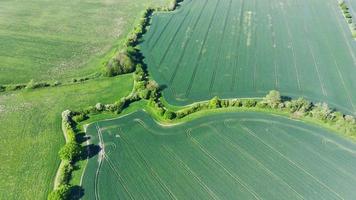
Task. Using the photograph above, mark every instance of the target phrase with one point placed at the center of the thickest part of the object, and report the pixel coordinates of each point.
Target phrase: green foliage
(122, 63)
(215, 102)
(139, 73)
(273, 99)
(145, 93)
(347, 124)
(80, 117)
(99, 107)
(65, 172)
(61, 193)
(300, 105)
(33, 85)
(248, 103)
(15, 87)
(322, 112)
(2, 88)
(169, 115)
(70, 151)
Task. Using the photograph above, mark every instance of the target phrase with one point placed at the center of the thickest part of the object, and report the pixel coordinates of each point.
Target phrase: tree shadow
(76, 192)
(82, 137)
(285, 98)
(90, 151)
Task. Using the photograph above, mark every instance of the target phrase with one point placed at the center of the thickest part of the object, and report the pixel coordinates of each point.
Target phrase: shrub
(70, 151)
(300, 105)
(116, 107)
(2, 88)
(214, 103)
(66, 173)
(348, 15)
(144, 94)
(249, 103)
(225, 103)
(273, 98)
(139, 73)
(61, 193)
(140, 85)
(236, 103)
(122, 63)
(80, 117)
(99, 107)
(169, 115)
(322, 112)
(56, 83)
(15, 87)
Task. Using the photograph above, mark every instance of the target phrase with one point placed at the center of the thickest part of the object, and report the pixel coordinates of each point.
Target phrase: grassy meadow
(31, 135)
(54, 40)
(240, 48)
(249, 155)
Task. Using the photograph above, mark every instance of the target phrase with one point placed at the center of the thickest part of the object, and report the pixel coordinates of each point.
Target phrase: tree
(169, 115)
(347, 124)
(273, 99)
(321, 111)
(249, 103)
(70, 151)
(300, 105)
(215, 102)
(122, 63)
(61, 193)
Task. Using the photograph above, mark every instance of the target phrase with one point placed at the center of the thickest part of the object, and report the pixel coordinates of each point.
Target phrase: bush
(56, 83)
(65, 173)
(214, 103)
(169, 115)
(322, 112)
(236, 103)
(70, 151)
(15, 87)
(116, 107)
(80, 117)
(2, 88)
(99, 107)
(62, 193)
(122, 63)
(249, 103)
(144, 94)
(300, 105)
(273, 98)
(139, 73)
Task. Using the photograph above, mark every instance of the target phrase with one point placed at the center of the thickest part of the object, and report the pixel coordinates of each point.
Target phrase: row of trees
(345, 10)
(68, 154)
(125, 61)
(272, 101)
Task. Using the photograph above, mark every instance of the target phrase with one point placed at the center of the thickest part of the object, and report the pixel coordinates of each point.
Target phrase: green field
(238, 48)
(31, 135)
(46, 39)
(224, 156)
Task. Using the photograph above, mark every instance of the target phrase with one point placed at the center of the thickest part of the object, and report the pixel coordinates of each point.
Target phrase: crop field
(31, 134)
(245, 155)
(239, 48)
(47, 39)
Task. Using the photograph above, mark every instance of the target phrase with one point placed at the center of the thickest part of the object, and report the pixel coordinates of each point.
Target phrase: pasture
(31, 134)
(241, 48)
(52, 40)
(223, 156)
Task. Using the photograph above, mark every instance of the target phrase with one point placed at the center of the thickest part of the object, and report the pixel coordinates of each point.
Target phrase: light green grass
(240, 48)
(47, 39)
(249, 155)
(31, 135)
